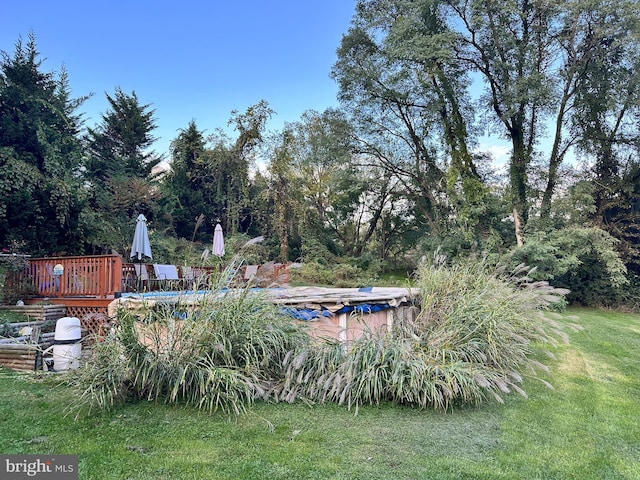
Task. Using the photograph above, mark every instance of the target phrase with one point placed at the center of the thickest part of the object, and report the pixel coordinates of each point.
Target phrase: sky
(189, 59)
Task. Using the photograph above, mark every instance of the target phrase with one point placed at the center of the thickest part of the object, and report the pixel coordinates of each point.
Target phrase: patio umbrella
(140, 245)
(218, 241)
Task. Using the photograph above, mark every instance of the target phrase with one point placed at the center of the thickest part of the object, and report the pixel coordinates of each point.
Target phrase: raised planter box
(22, 357)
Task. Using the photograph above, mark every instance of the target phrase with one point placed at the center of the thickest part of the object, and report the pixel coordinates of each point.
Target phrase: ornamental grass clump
(476, 329)
(219, 357)
(471, 340)
(479, 326)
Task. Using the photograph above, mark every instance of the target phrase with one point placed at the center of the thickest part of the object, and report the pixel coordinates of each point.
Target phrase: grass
(588, 427)
(12, 317)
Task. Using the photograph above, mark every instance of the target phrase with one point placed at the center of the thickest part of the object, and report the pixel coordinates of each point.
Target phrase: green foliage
(41, 194)
(581, 259)
(586, 428)
(210, 176)
(341, 274)
(119, 165)
(119, 145)
(6, 329)
(313, 250)
(620, 210)
(251, 252)
(13, 284)
(472, 340)
(187, 187)
(311, 273)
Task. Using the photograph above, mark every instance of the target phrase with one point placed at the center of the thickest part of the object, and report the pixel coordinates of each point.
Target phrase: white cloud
(499, 153)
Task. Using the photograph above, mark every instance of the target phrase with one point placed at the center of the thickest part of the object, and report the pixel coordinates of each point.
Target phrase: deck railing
(103, 276)
(97, 276)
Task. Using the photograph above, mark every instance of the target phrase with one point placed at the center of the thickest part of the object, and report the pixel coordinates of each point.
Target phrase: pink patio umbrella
(218, 241)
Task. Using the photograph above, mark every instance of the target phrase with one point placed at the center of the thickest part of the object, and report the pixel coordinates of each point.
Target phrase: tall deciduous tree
(283, 194)
(508, 44)
(41, 194)
(404, 70)
(407, 98)
(318, 196)
(230, 165)
(394, 119)
(537, 60)
(607, 109)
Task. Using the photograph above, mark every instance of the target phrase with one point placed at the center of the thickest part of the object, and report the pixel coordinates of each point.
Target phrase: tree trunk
(518, 228)
(518, 176)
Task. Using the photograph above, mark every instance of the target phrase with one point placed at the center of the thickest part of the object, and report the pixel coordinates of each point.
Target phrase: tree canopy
(395, 173)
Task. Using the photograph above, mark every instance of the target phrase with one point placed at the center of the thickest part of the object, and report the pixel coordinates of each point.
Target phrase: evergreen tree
(41, 193)
(119, 170)
(119, 145)
(184, 188)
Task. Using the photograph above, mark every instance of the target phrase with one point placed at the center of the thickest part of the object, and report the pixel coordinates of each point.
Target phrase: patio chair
(142, 276)
(129, 277)
(166, 275)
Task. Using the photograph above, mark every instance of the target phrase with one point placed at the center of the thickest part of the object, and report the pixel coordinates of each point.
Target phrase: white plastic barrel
(66, 344)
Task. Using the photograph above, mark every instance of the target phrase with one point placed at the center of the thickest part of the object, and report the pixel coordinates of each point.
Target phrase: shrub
(340, 275)
(484, 323)
(312, 273)
(581, 259)
(471, 340)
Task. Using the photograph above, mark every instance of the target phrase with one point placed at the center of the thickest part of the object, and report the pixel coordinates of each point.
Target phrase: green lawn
(588, 427)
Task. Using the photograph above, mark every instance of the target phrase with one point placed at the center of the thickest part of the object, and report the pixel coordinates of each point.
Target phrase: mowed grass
(588, 427)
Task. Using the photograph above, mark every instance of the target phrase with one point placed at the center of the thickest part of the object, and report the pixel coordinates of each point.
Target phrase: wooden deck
(87, 284)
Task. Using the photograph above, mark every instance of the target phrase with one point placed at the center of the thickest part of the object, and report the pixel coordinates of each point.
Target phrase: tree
(118, 145)
(283, 195)
(393, 119)
(185, 186)
(41, 193)
(537, 61)
(230, 165)
(119, 170)
(210, 176)
(508, 44)
(404, 70)
(619, 212)
(346, 199)
(600, 43)
(407, 97)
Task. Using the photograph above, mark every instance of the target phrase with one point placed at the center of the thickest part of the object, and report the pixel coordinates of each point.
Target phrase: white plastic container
(66, 344)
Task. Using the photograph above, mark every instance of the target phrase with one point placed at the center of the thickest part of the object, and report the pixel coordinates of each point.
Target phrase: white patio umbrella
(140, 245)
(218, 241)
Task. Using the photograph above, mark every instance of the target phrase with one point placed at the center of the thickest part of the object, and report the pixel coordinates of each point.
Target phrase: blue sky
(192, 59)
